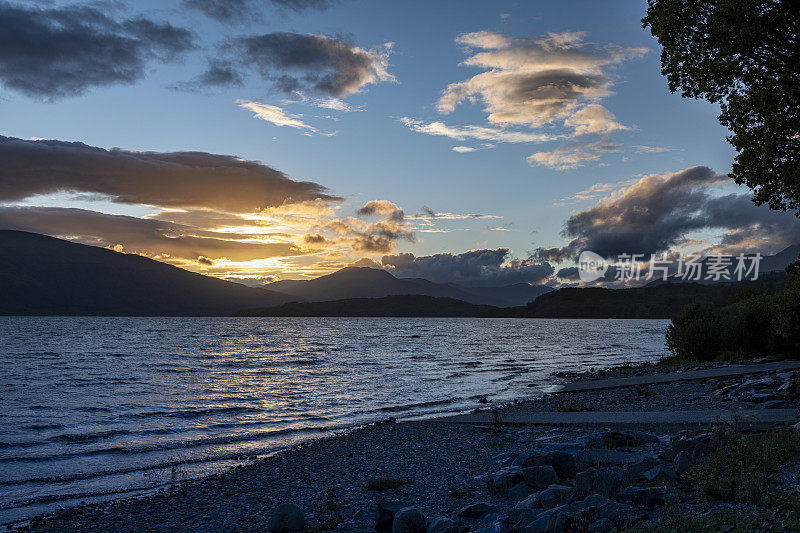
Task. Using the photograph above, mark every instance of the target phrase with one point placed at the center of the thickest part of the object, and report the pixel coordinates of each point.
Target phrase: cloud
(480, 133)
(313, 64)
(538, 81)
(383, 208)
(463, 149)
(651, 149)
(573, 154)
(241, 10)
(277, 116)
(371, 237)
(165, 179)
(593, 118)
(153, 238)
(57, 52)
(657, 212)
(472, 267)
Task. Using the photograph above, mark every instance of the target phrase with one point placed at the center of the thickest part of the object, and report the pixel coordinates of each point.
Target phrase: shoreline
(435, 466)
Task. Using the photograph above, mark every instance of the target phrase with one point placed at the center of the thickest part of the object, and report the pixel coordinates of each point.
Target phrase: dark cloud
(382, 208)
(220, 73)
(53, 53)
(139, 235)
(166, 179)
(242, 10)
(656, 214)
(316, 64)
(475, 266)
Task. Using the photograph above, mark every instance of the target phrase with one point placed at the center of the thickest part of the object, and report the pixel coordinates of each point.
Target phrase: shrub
(755, 325)
(694, 334)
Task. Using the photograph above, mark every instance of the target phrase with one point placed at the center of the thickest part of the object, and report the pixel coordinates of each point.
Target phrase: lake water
(94, 408)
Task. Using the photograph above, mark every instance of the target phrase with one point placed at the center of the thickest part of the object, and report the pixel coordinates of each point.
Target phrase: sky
(257, 140)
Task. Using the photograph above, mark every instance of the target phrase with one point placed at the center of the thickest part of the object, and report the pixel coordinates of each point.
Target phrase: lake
(95, 407)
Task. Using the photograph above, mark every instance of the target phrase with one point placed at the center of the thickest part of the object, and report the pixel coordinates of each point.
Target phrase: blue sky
(373, 154)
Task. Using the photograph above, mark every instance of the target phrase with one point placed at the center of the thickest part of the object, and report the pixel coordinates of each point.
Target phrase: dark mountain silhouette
(366, 282)
(407, 305)
(41, 275)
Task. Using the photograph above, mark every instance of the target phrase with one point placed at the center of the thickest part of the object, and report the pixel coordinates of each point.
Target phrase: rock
(476, 510)
(637, 469)
(775, 404)
(603, 525)
(540, 477)
(682, 463)
(697, 447)
(660, 474)
(562, 462)
(619, 439)
(409, 520)
(540, 525)
(386, 513)
(444, 525)
(621, 514)
(554, 496)
(648, 497)
(287, 517)
(603, 457)
(528, 503)
(502, 480)
(567, 521)
(594, 500)
(493, 523)
(604, 481)
(520, 491)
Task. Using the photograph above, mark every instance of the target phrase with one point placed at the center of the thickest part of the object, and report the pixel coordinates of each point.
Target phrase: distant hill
(41, 275)
(389, 306)
(663, 300)
(365, 282)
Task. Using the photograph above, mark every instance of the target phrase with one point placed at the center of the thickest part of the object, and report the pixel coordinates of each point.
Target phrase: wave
(183, 444)
(194, 413)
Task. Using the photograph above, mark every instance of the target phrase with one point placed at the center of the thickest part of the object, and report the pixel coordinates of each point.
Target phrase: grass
(740, 471)
(385, 483)
(329, 514)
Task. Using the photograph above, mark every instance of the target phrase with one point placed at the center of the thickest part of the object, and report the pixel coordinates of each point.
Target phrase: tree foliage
(744, 55)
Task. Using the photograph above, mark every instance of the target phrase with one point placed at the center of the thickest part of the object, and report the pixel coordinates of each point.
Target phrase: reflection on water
(94, 406)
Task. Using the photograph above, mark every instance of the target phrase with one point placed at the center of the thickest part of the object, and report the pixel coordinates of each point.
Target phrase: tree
(744, 55)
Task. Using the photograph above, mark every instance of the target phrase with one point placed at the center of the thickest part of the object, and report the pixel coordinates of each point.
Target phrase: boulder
(660, 474)
(409, 520)
(619, 439)
(621, 514)
(648, 497)
(476, 510)
(562, 462)
(604, 481)
(520, 491)
(682, 463)
(603, 525)
(288, 517)
(554, 495)
(637, 469)
(444, 525)
(499, 482)
(540, 477)
(386, 513)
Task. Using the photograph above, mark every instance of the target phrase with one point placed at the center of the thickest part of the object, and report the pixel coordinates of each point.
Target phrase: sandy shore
(438, 468)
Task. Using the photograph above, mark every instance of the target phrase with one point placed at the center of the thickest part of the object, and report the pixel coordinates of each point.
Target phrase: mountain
(41, 275)
(781, 260)
(366, 282)
(407, 305)
(662, 300)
